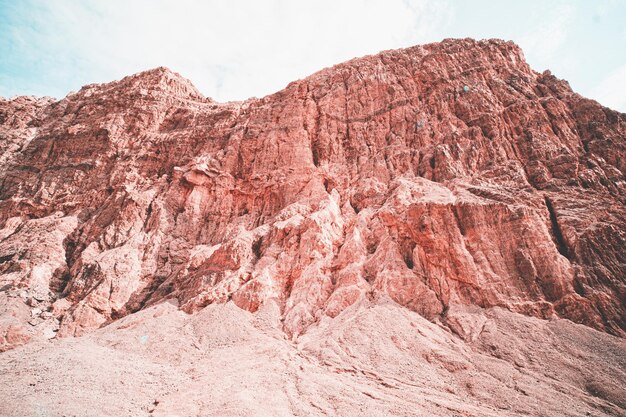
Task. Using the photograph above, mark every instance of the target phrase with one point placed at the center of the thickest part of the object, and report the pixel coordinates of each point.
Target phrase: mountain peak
(163, 79)
(159, 80)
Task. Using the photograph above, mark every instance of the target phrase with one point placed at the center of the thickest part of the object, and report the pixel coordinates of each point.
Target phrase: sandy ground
(375, 359)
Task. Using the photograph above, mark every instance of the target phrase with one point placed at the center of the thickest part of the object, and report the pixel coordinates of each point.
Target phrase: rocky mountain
(414, 231)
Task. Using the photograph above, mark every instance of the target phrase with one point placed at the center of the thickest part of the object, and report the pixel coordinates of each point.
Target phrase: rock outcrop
(441, 176)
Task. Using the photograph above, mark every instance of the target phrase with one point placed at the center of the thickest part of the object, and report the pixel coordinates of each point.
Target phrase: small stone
(49, 333)
(39, 297)
(16, 335)
(60, 306)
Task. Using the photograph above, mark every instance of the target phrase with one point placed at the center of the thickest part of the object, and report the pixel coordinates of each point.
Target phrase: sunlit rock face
(441, 177)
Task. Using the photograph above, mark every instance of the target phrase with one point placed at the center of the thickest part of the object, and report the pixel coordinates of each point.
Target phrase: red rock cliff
(440, 175)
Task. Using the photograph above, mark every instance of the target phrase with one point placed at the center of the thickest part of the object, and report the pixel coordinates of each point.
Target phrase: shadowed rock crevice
(559, 240)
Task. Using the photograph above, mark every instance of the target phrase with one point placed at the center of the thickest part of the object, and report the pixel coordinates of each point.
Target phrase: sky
(236, 49)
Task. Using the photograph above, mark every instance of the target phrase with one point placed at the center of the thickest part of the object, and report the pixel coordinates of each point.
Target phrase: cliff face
(441, 176)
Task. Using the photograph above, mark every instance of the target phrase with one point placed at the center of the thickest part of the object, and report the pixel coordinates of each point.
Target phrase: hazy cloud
(611, 92)
(550, 32)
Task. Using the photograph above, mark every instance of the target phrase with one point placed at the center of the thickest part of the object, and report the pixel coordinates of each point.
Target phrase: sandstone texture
(438, 230)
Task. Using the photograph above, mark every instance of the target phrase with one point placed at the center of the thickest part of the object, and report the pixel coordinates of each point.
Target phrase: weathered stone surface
(379, 175)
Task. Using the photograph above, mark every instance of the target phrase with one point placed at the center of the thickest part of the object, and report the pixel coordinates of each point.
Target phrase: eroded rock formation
(442, 175)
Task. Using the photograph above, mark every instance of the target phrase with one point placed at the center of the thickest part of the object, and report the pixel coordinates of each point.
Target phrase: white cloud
(230, 50)
(611, 92)
(552, 26)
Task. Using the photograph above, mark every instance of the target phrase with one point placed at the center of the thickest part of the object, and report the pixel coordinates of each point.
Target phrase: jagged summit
(162, 78)
(496, 49)
(157, 80)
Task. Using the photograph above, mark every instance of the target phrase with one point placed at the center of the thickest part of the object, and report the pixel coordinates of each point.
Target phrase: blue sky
(236, 49)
